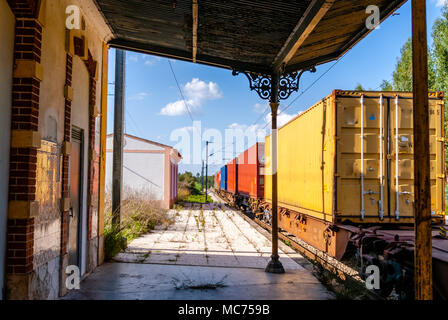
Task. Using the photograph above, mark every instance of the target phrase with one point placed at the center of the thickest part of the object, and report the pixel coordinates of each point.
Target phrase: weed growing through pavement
(139, 214)
(200, 284)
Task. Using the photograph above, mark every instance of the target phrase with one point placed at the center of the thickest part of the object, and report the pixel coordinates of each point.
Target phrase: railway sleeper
(357, 247)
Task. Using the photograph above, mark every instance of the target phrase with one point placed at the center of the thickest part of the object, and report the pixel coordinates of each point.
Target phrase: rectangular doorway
(76, 196)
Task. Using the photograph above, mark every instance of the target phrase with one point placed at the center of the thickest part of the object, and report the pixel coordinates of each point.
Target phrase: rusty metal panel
(48, 194)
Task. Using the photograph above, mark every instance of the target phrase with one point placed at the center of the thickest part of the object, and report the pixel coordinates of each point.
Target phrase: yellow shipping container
(337, 161)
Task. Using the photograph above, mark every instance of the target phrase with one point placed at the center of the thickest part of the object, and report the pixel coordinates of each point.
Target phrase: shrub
(139, 214)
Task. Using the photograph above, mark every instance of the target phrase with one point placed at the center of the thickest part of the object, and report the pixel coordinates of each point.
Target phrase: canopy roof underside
(260, 36)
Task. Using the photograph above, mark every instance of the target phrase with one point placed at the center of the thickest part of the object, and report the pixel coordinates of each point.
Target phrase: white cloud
(282, 118)
(261, 108)
(260, 130)
(146, 59)
(196, 92)
(177, 108)
(441, 3)
(139, 96)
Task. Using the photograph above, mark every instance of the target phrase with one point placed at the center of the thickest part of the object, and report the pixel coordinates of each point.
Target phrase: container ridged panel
(319, 162)
(232, 176)
(248, 172)
(349, 157)
(305, 162)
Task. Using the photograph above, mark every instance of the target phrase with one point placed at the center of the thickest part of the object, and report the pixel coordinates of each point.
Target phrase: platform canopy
(260, 36)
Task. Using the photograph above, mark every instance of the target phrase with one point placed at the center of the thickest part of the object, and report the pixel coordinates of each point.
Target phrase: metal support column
(117, 166)
(274, 266)
(422, 188)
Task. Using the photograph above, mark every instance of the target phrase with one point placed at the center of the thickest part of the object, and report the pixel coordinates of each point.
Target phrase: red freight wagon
(217, 180)
(232, 184)
(250, 180)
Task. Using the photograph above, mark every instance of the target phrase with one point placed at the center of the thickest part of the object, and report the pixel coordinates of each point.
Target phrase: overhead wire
(308, 88)
(180, 90)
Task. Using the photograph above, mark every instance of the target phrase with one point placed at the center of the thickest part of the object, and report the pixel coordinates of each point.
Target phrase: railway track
(317, 257)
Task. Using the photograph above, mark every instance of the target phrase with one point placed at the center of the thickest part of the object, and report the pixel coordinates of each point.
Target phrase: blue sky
(154, 106)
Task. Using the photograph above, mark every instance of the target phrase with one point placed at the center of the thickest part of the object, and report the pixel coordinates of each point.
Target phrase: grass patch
(190, 190)
(139, 215)
(198, 198)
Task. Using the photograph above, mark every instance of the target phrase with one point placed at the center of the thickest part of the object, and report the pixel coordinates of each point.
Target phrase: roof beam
(184, 55)
(312, 62)
(313, 14)
(195, 29)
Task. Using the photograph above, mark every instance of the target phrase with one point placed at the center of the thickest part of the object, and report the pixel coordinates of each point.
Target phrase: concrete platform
(209, 247)
(131, 281)
(214, 236)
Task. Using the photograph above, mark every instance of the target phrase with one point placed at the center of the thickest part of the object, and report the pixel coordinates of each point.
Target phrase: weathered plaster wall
(41, 117)
(143, 168)
(47, 229)
(53, 64)
(6, 62)
(51, 127)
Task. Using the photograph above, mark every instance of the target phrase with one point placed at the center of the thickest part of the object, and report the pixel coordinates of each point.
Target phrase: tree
(402, 76)
(437, 67)
(359, 87)
(440, 53)
(440, 50)
(386, 86)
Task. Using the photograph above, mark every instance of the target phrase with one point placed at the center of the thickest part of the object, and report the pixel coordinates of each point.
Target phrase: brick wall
(66, 158)
(92, 201)
(20, 246)
(24, 8)
(23, 160)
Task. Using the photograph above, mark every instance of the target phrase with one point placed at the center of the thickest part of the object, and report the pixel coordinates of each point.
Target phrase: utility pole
(206, 168)
(422, 187)
(117, 166)
(202, 176)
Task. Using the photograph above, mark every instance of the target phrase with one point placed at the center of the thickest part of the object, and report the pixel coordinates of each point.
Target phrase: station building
(149, 167)
(53, 97)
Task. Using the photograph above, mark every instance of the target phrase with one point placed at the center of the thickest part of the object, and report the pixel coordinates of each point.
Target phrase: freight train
(345, 183)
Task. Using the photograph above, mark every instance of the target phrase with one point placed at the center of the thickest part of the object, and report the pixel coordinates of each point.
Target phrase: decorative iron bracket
(262, 84)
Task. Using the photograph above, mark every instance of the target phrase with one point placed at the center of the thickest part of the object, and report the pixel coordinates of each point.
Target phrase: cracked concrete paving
(207, 244)
(206, 236)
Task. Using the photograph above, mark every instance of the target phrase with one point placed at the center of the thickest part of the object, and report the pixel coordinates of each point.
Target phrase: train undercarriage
(388, 247)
